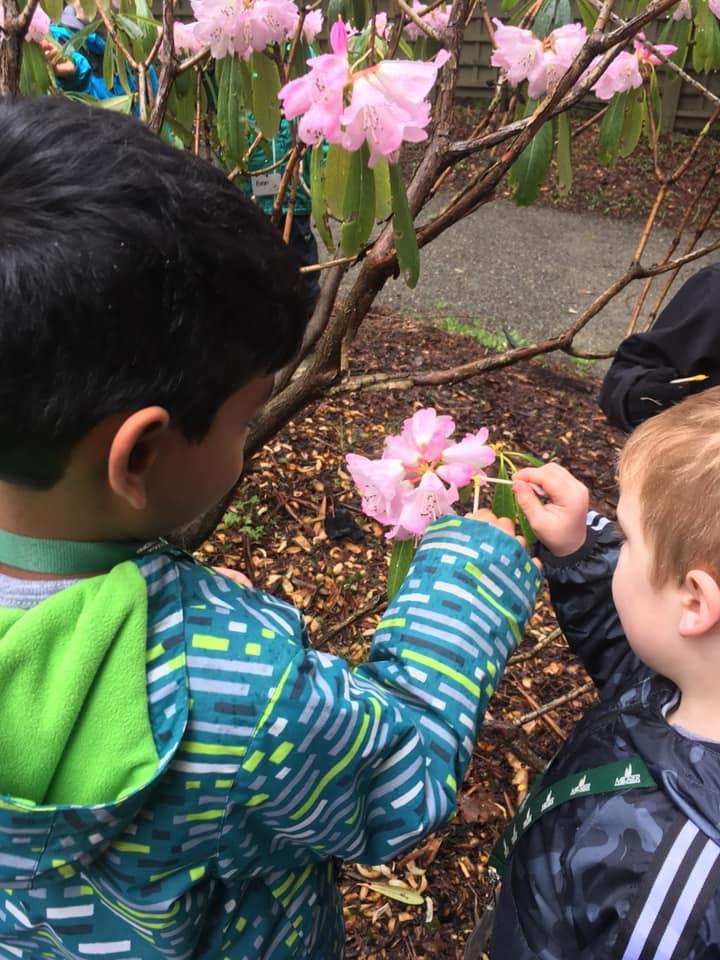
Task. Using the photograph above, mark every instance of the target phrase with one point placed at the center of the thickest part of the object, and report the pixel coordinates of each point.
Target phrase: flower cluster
(418, 477)
(523, 56)
(244, 26)
(387, 101)
(437, 19)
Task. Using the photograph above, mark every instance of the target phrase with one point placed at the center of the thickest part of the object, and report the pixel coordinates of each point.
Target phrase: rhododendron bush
(354, 88)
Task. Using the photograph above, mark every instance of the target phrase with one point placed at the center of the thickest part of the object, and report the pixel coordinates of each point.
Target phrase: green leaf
(632, 122)
(77, 39)
(706, 49)
(237, 127)
(383, 198)
(564, 158)
(336, 167)
(131, 28)
(108, 63)
(34, 76)
(89, 8)
(53, 8)
(400, 560)
(588, 14)
(545, 18)
(402, 894)
(265, 86)
(653, 102)
(317, 198)
(563, 14)
(359, 13)
(531, 167)
(503, 501)
(611, 130)
(358, 203)
(680, 36)
(512, 455)
(403, 229)
(524, 525)
(335, 9)
(121, 104)
(223, 71)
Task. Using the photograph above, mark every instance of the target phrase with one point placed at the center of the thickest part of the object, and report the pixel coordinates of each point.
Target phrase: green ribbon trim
(64, 556)
(627, 774)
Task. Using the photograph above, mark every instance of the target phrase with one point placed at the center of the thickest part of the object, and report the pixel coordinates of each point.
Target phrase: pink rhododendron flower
(428, 501)
(438, 19)
(312, 25)
(467, 459)
(714, 7)
(645, 55)
(388, 106)
(518, 53)
(216, 25)
(682, 11)
(318, 94)
(186, 38)
(522, 56)
(39, 25)
(382, 122)
(622, 74)
(242, 26)
(381, 484)
(422, 440)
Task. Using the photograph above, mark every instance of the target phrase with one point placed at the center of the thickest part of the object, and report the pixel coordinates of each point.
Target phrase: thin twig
(370, 607)
(554, 704)
(419, 22)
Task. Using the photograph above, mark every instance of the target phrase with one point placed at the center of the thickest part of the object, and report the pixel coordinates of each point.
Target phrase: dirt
(627, 189)
(276, 533)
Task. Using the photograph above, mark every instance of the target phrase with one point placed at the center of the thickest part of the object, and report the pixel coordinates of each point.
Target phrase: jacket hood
(81, 745)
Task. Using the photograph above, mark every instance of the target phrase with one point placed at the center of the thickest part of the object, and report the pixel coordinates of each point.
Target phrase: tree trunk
(10, 44)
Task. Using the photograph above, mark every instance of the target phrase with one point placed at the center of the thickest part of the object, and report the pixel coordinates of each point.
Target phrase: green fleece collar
(74, 723)
(64, 556)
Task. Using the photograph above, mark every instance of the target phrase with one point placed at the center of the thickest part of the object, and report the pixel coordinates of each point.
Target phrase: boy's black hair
(131, 273)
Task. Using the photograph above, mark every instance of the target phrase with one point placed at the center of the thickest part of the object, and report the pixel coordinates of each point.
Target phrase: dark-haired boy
(178, 771)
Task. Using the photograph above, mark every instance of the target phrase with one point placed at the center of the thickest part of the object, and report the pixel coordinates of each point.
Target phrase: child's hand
(502, 523)
(61, 68)
(559, 523)
(234, 575)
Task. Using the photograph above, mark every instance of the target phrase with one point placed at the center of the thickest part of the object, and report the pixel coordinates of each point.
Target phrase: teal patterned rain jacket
(275, 761)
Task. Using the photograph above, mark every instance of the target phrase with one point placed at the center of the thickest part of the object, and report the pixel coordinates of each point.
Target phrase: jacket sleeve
(581, 593)
(361, 763)
(683, 342)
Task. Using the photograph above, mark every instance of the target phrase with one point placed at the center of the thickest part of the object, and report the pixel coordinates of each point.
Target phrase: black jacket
(577, 872)
(684, 341)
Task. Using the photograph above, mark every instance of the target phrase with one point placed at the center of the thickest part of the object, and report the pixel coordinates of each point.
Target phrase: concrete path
(530, 270)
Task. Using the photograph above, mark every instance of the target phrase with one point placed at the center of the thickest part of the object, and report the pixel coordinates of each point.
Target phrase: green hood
(74, 724)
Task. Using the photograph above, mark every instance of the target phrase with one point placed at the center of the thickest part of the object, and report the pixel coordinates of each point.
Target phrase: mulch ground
(276, 533)
(625, 190)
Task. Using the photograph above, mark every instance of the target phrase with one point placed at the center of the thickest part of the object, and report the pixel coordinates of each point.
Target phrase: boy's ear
(700, 603)
(133, 451)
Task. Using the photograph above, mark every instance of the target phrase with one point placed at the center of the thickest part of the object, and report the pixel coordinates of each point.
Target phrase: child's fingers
(487, 516)
(531, 505)
(558, 484)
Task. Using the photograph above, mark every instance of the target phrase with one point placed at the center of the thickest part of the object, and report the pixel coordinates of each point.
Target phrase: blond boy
(616, 852)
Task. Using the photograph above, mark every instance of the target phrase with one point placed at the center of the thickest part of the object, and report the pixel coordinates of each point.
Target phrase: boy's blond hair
(672, 461)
